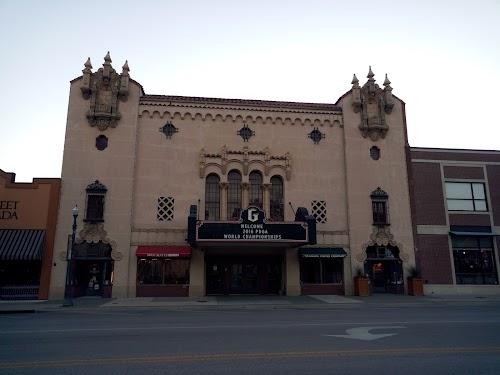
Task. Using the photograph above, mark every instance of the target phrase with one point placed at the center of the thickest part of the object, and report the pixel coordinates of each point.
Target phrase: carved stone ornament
(95, 233)
(245, 158)
(374, 104)
(382, 236)
(103, 89)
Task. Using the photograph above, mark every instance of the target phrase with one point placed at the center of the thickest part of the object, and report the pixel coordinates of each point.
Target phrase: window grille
(165, 210)
(318, 209)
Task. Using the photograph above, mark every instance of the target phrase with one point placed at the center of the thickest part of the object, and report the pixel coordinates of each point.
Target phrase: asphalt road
(356, 339)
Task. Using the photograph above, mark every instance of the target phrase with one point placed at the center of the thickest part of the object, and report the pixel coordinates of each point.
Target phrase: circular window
(101, 142)
(375, 153)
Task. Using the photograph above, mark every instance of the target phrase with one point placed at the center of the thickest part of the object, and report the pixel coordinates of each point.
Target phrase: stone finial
(355, 81)
(124, 80)
(125, 69)
(86, 77)
(356, 94)
(106, 71)
(370, 74)
(107, 59)
(388, 98)
(88, 66)
(386, 81)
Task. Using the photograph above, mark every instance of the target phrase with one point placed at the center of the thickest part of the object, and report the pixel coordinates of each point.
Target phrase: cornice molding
(245, 115)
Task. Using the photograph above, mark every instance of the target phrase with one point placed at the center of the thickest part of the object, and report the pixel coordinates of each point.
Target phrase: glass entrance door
(241, 275)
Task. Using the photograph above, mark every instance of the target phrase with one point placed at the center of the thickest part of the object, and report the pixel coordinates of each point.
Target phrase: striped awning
(21, 244)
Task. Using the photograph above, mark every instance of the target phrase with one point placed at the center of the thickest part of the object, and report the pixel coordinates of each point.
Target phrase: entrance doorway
(243, 275)
(92, 276)
(92, 269)
(384, 267)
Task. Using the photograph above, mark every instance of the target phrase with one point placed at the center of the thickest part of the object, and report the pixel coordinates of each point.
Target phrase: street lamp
(68, 290)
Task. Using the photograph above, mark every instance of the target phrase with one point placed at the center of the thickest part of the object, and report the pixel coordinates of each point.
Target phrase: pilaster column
(267, 202)
(245, 186)
(223, 200)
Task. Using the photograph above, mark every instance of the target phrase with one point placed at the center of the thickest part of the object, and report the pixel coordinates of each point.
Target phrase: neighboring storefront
(28, 215)
(457, 219)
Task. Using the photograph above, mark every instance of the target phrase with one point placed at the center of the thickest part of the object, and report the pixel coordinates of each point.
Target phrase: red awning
(163, 251)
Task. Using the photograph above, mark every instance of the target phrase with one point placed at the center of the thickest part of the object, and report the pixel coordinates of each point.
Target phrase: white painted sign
(363, 333)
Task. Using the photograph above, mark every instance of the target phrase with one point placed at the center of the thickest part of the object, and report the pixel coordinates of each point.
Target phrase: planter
(107, 291)
(415, 286)
(361, 286)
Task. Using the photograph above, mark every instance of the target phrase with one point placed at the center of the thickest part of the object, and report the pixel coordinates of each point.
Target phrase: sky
(442, 57)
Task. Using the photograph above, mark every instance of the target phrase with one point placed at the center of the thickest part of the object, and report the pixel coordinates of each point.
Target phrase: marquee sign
(252, 227)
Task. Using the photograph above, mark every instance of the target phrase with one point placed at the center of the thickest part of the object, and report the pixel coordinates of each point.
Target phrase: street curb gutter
(18, 311)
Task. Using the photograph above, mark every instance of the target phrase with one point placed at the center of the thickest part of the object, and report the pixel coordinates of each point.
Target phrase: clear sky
(442, 57)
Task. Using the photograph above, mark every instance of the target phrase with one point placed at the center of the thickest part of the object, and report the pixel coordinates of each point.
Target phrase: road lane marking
(241, 326)
(243, 356)
(364, 334)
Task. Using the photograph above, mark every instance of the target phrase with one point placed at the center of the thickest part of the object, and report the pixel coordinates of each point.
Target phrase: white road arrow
(363, 333)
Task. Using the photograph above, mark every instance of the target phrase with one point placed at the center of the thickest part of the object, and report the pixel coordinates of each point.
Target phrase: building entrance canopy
(163, 252)
(322, 252)
(253, 228)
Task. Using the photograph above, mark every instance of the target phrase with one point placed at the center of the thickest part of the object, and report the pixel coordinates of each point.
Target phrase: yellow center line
(233, 356)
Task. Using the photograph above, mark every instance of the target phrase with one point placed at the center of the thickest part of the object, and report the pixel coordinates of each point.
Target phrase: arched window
(379, 207)
(96, 193)
(212, 197)
(276, 206)
(233, 195)
(256, 194)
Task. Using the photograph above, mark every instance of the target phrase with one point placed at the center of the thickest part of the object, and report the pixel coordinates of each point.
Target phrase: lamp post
(68, 290)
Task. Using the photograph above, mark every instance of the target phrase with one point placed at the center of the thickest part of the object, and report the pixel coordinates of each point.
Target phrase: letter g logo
(253, 215)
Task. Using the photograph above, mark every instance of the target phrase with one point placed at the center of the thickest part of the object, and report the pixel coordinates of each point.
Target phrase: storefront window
(321, 271)
(157, 271)
(474, 260)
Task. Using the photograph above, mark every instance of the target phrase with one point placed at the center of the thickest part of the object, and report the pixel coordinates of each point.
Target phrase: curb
(18, 311)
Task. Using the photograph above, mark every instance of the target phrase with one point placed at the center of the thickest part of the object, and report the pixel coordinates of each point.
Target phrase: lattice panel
(165, 210)
(319, 211)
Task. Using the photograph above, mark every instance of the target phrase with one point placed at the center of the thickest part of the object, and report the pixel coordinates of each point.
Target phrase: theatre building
(28, 214)
(194, 196)
(457, 219)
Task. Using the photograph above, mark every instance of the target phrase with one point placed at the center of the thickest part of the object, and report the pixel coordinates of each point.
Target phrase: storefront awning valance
(469, 230)
(475, 234)
(163, 251)
(322, 252)
(21, 244)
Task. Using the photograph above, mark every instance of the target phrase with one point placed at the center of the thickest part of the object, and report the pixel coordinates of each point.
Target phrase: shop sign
(252, 227)
(8, 210)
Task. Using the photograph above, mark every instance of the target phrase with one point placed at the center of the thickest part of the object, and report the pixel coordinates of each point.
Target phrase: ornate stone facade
(373, 103)
(104, 89)
(305, 153)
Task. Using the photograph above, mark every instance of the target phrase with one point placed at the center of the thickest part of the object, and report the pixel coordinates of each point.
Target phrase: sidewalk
(242, 302)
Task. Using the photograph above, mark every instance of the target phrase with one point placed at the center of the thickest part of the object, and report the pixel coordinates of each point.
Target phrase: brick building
(456, 209)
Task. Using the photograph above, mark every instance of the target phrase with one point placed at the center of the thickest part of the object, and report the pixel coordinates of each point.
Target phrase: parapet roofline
(148, 99)
(455, 150)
